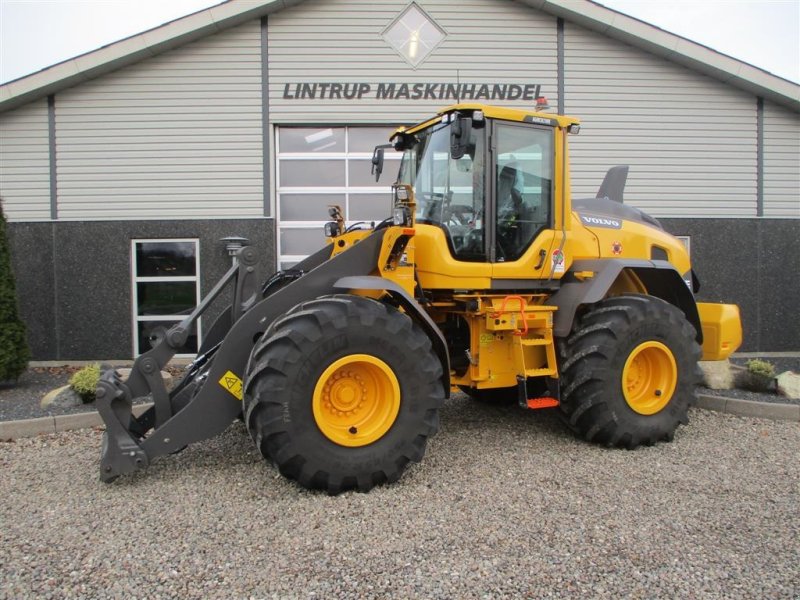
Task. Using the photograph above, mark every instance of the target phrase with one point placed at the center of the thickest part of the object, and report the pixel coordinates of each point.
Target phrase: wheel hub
(344, 393)
(649, 377)
(356, 400)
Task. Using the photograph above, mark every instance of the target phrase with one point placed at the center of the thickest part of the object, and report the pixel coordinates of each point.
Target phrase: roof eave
(674, 48)
(133, 49)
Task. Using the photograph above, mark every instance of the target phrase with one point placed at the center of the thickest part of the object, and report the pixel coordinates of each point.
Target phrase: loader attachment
(209, 397)
(122, 450)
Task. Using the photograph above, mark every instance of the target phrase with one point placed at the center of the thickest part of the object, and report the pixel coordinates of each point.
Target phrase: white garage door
(320, 166)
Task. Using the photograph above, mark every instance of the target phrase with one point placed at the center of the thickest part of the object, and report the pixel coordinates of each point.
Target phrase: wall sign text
(463, 92)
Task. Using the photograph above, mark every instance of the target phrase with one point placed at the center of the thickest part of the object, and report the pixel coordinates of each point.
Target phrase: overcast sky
(35, 34)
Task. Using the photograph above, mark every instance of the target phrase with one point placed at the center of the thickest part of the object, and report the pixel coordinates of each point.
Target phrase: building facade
(122, 169)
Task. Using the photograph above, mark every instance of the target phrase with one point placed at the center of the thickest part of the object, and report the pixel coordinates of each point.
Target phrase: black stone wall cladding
(754, 263)
(74, 278)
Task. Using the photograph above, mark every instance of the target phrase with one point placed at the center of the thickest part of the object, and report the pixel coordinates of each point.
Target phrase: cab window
(449, 192)
(523, 184)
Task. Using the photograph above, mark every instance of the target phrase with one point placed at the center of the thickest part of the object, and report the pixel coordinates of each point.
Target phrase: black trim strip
(51, 134)
(265, 167)
(760, 156)
(560, 63)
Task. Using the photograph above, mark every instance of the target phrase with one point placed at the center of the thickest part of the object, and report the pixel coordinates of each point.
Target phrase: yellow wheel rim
(649, 378)
(356, 400)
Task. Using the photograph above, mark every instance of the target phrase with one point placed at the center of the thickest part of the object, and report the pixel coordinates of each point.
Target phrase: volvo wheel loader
(486, 277)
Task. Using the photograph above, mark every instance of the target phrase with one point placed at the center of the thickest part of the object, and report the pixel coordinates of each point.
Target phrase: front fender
(413, 309)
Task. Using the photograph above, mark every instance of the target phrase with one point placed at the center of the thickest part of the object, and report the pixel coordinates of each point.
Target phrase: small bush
(84, 382)
(759, 376)
(760, 367)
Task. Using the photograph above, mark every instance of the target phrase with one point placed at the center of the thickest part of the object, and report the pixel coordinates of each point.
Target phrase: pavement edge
(12, 430)
(775, 411)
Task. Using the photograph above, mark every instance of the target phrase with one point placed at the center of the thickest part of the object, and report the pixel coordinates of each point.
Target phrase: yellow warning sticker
(232, 383)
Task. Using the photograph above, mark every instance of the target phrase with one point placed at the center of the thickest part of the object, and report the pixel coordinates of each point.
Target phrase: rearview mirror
(460, 133)
(377, 160)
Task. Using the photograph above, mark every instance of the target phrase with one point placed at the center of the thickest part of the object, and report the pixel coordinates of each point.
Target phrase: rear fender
(659, 278)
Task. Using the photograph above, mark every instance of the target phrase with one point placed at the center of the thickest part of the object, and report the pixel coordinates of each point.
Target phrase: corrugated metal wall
(781, 162)
(25, 163)
(340, 41)
(175, 136)
(690, 140)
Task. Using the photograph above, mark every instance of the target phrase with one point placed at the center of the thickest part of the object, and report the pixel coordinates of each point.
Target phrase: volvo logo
(607, 222)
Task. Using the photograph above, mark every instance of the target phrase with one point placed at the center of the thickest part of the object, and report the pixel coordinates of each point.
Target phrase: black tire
(281, 390)
(594, 400)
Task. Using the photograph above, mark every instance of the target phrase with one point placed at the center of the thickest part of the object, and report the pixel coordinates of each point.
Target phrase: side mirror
(377, 160)
(460, 133)
(377, 163)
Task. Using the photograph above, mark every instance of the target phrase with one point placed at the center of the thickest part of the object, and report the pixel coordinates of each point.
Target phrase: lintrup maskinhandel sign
(459, 92)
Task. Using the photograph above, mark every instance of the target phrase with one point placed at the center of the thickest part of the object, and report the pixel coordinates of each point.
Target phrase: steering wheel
(458, 214)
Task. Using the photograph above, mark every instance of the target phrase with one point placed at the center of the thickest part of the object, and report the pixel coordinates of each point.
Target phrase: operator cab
(487, 183)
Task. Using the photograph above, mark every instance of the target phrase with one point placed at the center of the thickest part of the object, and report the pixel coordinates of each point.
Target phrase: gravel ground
(505, 504)
(21, 401)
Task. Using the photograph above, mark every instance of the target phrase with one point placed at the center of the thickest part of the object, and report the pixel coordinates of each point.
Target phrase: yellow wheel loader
(487, 277)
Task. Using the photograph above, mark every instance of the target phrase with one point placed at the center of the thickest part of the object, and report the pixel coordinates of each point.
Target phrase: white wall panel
(781, 162)
(488, 41)
(25, 163)
(690, 141)
(174, 136)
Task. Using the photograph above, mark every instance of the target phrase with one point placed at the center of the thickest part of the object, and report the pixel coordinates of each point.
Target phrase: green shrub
(84, 382)
(760, 367)
(14, 352)
(759, 376)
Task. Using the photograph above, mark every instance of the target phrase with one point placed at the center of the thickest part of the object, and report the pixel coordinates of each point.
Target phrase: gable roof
(234, 12)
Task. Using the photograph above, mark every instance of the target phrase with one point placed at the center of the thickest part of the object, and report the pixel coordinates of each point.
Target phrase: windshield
(448, 192)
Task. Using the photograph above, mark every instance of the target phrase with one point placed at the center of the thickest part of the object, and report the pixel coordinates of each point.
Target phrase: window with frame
(166, 287)
(321, 166)
(524, 182)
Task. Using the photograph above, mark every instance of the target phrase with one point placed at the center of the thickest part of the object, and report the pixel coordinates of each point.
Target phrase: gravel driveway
(505, 504)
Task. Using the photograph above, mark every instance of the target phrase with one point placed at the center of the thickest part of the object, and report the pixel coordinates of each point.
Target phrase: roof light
(542, 104)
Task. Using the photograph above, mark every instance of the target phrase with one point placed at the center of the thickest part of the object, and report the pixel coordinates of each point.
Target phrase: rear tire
(628, 372)
(342, 393)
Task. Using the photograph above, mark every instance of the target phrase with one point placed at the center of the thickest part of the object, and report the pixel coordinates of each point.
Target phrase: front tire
(343, 392)
(629, 372)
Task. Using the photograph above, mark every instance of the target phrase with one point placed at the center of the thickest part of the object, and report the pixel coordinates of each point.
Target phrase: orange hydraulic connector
(522, 306)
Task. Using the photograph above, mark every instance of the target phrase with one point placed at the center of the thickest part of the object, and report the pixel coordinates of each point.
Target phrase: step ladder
(526, 337)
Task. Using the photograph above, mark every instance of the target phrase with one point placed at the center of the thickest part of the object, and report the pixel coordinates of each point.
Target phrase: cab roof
(520, 115)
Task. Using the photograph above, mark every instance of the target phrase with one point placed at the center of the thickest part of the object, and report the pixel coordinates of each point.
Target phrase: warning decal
(558, 261)
(232, 383)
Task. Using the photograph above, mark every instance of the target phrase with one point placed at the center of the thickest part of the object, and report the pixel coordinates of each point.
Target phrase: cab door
(522, 240)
